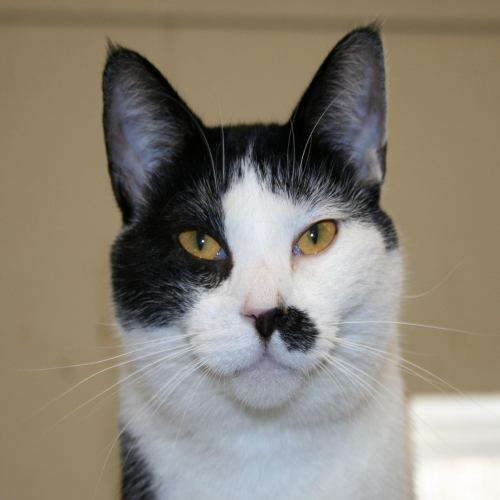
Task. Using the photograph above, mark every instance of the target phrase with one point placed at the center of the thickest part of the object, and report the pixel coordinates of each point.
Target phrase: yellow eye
(316, 238)
(201, 245)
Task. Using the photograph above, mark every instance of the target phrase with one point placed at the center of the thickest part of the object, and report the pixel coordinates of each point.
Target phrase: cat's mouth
(265, 362)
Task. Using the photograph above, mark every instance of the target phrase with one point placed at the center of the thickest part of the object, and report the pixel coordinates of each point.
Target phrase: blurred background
(244, 61)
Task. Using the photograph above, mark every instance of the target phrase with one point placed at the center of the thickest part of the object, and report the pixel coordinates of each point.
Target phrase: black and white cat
(256, 284)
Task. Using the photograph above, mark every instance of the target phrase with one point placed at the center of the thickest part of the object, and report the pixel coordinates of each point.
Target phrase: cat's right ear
(146, 124)
(344, 107)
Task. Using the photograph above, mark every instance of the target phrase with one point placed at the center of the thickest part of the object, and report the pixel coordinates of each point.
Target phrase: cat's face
(250, 253)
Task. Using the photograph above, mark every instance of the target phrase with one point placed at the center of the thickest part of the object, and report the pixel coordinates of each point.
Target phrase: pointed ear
(344, 107)
(146, 125)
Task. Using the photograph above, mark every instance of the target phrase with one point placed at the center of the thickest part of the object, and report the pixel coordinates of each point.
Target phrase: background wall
(245, 61)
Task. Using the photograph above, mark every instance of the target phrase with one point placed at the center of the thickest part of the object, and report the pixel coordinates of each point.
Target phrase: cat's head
(248, 254)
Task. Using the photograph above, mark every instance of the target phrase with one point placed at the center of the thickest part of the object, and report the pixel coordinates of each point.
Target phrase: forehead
(254, 215)
(261, 220)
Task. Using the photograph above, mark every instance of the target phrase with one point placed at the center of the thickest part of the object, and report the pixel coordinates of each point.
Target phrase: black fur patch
(137, 481)
(297, 330)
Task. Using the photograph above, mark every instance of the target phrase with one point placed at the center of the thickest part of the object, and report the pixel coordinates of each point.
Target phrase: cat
(256, 283)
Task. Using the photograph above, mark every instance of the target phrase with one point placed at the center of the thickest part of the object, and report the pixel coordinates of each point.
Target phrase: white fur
(250, 424)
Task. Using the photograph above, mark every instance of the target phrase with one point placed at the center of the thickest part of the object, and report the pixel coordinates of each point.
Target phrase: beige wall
(252, 59)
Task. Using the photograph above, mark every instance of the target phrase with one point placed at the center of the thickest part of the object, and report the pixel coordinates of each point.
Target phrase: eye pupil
(200, 239)
(314, 233)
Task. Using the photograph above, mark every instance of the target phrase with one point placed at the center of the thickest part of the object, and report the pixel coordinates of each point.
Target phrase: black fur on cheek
(297, 330)
(155, 282)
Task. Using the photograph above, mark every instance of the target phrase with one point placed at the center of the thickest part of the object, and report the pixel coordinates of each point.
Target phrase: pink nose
(257, 303)
(253, 312)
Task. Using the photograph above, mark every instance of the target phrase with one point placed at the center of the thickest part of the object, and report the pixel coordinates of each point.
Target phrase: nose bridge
(257, 228)
(263, 292)
(266, 283)
(261, 271)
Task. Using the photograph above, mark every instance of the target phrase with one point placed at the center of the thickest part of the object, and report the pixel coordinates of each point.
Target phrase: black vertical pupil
(200, 239)
(314, 233)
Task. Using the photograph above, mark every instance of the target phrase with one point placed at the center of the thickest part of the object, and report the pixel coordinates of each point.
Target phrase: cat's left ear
(146, 126)
(344, 107)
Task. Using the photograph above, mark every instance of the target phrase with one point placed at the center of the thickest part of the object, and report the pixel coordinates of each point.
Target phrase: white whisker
(445, 279)
(416, 325)
(92, 376)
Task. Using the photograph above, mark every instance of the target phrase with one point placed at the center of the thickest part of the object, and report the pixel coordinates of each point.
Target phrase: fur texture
(265, 374)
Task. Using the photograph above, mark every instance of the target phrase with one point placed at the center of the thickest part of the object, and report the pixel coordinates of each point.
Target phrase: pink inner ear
(366, 144)
(134, 147)
(145, 123)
